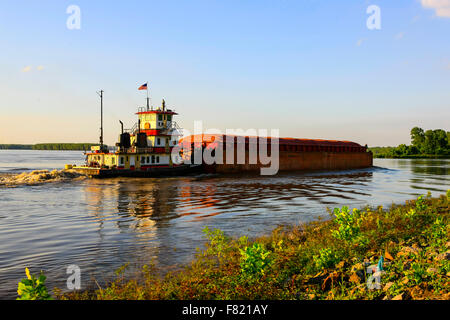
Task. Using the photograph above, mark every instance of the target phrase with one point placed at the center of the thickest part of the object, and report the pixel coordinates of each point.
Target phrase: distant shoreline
(49, 146)
(419, 156)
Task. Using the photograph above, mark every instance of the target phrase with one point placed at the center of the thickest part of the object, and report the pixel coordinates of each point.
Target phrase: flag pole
(148, 107)
(100, 93)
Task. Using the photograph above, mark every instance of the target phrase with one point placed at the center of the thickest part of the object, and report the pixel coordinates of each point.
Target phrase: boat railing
(172, 128)
(135, 149)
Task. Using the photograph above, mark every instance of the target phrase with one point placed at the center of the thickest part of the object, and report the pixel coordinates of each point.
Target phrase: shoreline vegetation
(430, 144)
(49, 146)
(400, 253)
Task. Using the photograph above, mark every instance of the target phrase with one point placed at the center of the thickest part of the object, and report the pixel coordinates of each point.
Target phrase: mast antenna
(148, 99)
(100, 93)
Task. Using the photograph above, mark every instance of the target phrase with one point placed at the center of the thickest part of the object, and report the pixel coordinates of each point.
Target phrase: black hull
(182, 170)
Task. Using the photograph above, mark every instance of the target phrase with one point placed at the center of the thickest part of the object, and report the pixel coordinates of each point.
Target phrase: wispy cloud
(360, 42)
(399, 35)
(30, 68)
(441, 7)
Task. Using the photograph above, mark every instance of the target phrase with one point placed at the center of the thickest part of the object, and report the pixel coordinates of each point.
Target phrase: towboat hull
(181, 170)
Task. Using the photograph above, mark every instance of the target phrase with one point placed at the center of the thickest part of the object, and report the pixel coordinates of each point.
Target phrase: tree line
(430, 143)
(48, 146)
(16, 146)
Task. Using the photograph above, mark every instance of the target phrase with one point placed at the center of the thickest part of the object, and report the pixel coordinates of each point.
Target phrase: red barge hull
(294, 154)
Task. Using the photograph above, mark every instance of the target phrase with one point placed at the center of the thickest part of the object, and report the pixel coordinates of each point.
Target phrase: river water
(100, 225)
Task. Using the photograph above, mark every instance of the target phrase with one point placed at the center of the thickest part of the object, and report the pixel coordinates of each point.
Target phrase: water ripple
(102, 224)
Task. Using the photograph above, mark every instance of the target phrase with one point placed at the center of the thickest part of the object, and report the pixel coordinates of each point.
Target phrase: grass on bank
(319, 260)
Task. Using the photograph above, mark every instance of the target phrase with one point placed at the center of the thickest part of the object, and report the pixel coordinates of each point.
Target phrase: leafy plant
(33, 288)
(218, 241)
(411, 213)
(255, 259)
(418, 272)
(325, 259)
(438, 231)
(348, 226)
(421, 204)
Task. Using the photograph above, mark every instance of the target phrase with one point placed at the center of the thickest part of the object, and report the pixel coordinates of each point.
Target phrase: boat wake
(38, 177)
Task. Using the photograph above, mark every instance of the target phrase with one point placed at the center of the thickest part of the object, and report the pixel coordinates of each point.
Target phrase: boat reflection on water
(146, 205)
(161, 220)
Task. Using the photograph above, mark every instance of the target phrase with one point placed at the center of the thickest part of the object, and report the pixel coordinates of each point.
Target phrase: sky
(311, 68)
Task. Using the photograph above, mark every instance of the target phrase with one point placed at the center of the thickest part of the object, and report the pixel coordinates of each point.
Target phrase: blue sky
(309, 68)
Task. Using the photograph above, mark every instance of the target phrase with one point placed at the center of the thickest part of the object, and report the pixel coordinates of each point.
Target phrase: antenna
(100, 93)
(148, 104)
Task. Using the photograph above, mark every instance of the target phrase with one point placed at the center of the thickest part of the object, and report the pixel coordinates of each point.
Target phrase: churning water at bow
(100, 225)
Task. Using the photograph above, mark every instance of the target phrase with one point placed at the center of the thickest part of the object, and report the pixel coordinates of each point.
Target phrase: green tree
(401, 150)
(429, 145)
(441, 141)
(417, 137)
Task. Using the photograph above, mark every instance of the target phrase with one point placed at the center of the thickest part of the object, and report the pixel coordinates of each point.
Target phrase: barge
(293, 154)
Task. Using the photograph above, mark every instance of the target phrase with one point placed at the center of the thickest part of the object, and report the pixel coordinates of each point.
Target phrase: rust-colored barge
(294, 154)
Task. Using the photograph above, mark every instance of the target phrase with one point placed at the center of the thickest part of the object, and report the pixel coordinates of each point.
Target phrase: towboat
(145, 150)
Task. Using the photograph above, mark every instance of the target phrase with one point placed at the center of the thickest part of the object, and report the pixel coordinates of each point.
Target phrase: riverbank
(405, 152)
(412, 156)
(319, 260)
(49, 146)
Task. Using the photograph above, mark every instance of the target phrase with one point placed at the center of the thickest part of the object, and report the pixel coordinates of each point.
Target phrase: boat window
(158, 141)
(148, 159)
(143, 159)
(121, 160)
(157, 159)
(169, 117)
(153, 159)
(160, 117)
